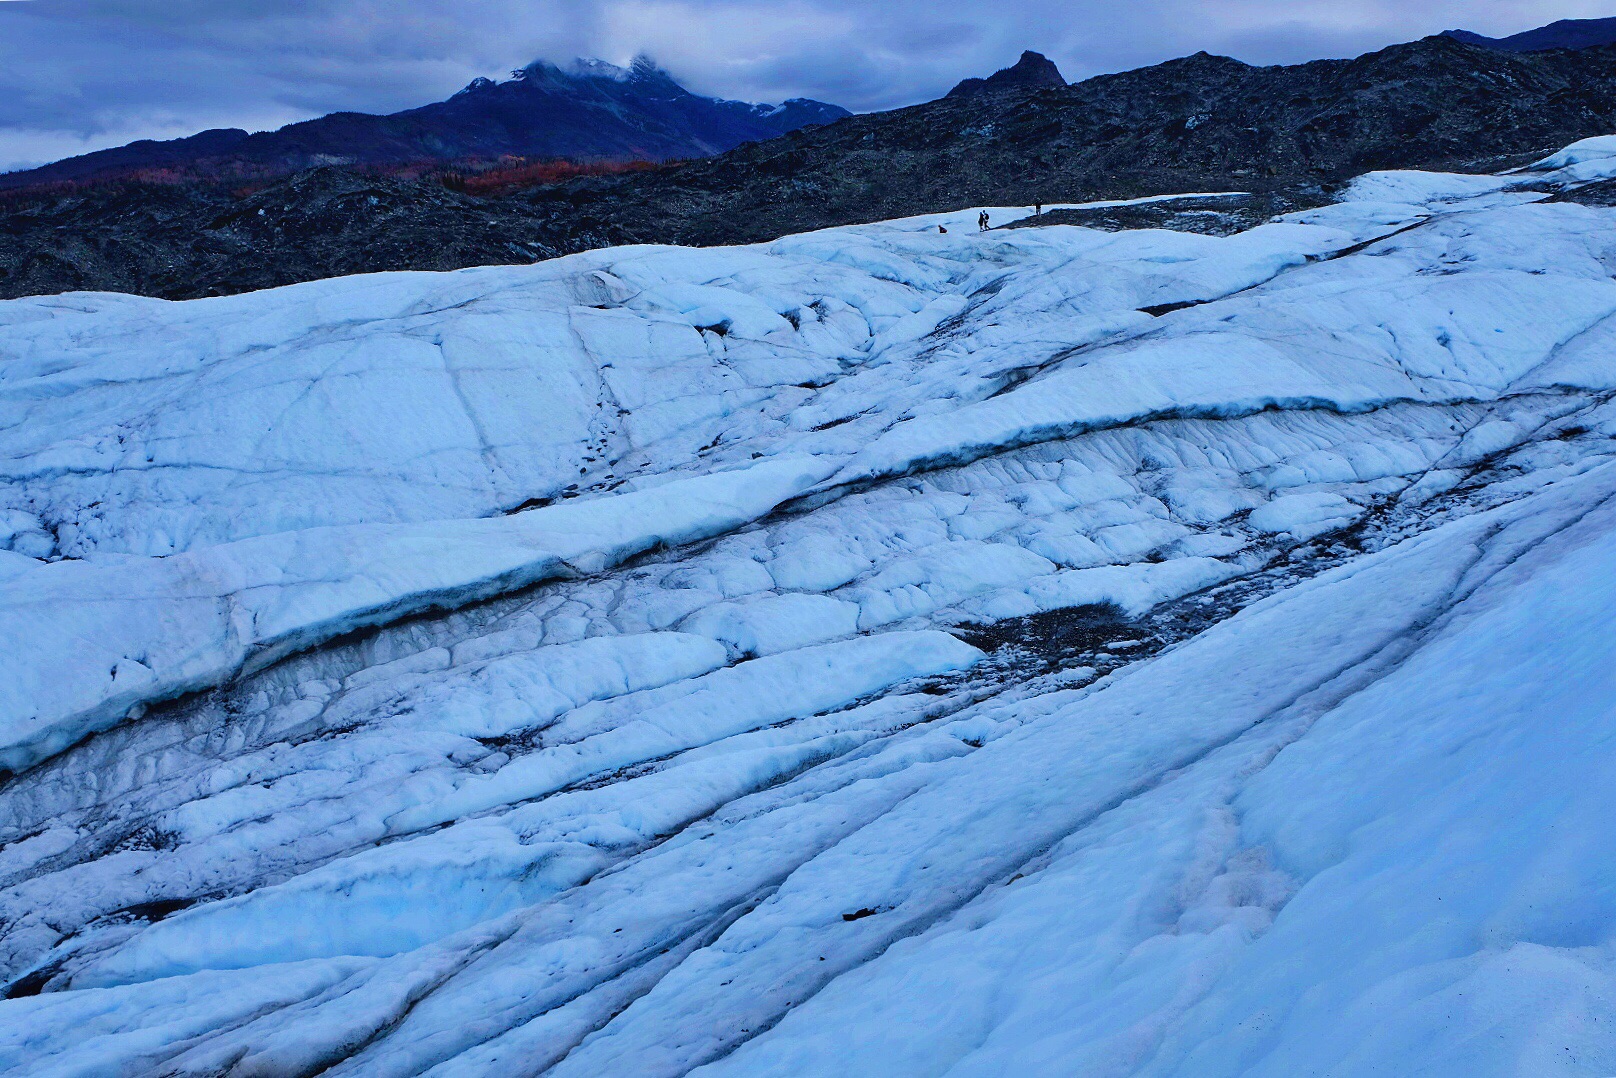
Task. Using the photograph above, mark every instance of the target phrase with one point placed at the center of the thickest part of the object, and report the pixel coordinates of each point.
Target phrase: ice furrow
(764, 996)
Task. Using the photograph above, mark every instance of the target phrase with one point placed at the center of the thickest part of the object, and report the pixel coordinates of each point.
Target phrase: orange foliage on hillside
(517, 172)
(479, 177)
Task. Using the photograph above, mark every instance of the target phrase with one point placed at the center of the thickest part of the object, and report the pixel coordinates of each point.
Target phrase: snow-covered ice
(878, 651)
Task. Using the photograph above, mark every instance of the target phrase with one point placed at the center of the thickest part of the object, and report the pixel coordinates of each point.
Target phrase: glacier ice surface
(878, 651)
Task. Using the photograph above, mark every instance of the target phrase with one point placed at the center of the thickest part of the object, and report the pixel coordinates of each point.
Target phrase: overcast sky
(77, 75)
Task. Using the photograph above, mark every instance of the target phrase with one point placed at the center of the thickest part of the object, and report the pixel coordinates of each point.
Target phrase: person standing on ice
(982, 221)
(1037, 209)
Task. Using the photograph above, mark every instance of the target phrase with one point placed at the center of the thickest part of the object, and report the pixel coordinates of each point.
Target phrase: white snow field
(875, 652)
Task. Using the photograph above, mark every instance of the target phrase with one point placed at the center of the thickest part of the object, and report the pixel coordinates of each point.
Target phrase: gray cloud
(76, 75)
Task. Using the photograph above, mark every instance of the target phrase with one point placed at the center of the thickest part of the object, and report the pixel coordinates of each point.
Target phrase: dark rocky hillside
(1202, 123)
(593, 111)
(182, 242)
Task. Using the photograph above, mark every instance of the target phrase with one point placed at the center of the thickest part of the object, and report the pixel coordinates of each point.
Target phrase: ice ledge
(83, 644)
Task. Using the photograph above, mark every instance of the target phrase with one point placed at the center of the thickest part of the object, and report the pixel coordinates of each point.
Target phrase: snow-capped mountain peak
(587, 110)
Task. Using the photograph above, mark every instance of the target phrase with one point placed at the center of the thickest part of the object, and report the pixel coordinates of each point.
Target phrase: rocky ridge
(1564, 34)
(1033, 71)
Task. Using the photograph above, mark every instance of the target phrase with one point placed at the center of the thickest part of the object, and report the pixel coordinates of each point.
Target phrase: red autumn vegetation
(511, 173)
(474, 176)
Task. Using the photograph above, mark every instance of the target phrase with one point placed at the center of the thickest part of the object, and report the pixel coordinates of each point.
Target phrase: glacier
(879, 651)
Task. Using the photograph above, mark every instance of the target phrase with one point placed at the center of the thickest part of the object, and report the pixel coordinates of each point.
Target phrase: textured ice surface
(879, 651)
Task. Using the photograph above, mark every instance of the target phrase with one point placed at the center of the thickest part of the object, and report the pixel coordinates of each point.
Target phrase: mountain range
(590, 111)
(1197, 124)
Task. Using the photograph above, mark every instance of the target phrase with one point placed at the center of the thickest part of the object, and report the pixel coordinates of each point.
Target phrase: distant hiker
(982, 221)
(1037, 209)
